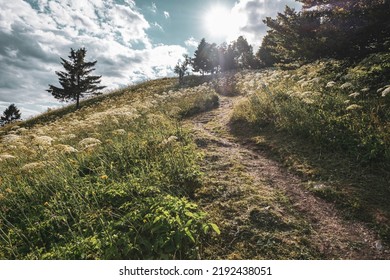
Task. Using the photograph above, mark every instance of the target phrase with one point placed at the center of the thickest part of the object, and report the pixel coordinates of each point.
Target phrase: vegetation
(10, 114)
(326, 29)
(76, 81)
(328, 122)
(112, 180)
(121, 178)
(210, 58)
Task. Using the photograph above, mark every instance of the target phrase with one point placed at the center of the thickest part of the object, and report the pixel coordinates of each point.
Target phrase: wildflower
(386, 91)
(346, 85)
(104, 177)
(354, 95)
(330, 84)
(6, 157)
(119, 132)
(43, 140)
(308, 100)
(46, 204)
(316, 80)
(68, 137)
(33, 165)
(11, 139)
(365, 89)
(66, 149)
(21, 130)
(169, 140)
(353, 107)
(90, 142)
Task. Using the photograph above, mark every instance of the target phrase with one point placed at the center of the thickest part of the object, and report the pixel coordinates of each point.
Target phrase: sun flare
(219, 22)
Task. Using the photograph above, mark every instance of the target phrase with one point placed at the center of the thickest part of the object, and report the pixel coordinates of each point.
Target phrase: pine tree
(327, 29)
(76, 81)
(202, 60)
(244, 57)
(10, 114)
(227, 58)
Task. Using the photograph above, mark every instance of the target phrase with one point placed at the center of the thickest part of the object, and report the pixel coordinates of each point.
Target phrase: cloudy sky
(131, 40)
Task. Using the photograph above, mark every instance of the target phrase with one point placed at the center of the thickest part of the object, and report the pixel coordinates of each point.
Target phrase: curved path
(257, 203)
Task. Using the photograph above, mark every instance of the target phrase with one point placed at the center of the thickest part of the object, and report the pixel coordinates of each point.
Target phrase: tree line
(209, 58)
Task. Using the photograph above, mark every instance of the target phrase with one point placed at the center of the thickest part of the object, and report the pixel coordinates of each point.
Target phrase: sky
(132, 40)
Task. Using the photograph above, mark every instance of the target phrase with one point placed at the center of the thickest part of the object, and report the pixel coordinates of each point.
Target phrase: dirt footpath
(264, 211)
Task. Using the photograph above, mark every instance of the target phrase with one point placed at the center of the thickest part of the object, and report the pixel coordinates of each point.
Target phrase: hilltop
(279, 164)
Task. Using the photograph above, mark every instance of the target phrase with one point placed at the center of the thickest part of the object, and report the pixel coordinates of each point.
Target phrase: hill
(276, 164)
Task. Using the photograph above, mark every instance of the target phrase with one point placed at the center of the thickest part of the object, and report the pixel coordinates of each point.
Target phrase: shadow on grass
(360, 191)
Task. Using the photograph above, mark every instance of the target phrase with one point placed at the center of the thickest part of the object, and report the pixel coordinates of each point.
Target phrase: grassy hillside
(328, 121)
(122, 178)
(109, 181)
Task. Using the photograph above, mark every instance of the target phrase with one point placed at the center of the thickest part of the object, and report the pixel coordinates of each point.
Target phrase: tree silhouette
(202, 61)
(182, 67)
(76, 81)
(10, 114)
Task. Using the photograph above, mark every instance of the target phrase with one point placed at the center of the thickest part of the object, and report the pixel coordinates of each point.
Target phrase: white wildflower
(330, 84)
(21, 130)
(11, 139)
(316, 80)
(89, 142)
(308, 100)
(68, 136)
(354, 107)
(33, 166)
(119, 132)
(386, 92)
(305, 84)
(346, 85)
(43, 140)
(170, 139)
(354, 95)
(65, 149)
(4, 157)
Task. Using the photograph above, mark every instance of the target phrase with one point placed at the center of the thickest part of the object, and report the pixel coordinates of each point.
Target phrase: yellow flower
(104, 177)
(46, 204)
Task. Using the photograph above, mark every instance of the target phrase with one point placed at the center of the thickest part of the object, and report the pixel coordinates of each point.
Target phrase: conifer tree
(75, 80)
(243, 53)
(10, 114)
(202, 62)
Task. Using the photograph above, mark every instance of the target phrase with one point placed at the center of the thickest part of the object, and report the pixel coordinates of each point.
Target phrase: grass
(330, 125)
(113, 180)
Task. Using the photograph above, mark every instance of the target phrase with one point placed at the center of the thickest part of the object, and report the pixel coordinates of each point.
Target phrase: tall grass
(324, 102)
(110, 181)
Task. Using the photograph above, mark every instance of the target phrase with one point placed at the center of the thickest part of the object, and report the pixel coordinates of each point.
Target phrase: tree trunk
(78, 101)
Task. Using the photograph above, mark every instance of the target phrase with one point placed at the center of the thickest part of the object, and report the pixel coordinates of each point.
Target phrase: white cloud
(158, 26)
(166, 14)
(153, 8)
(191, 42)
(32, 40)
(251, 14)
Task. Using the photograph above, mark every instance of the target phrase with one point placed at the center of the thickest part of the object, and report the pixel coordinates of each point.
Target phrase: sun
(219, 22)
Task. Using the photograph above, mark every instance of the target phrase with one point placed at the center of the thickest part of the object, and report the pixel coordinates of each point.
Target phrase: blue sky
(131, 40)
